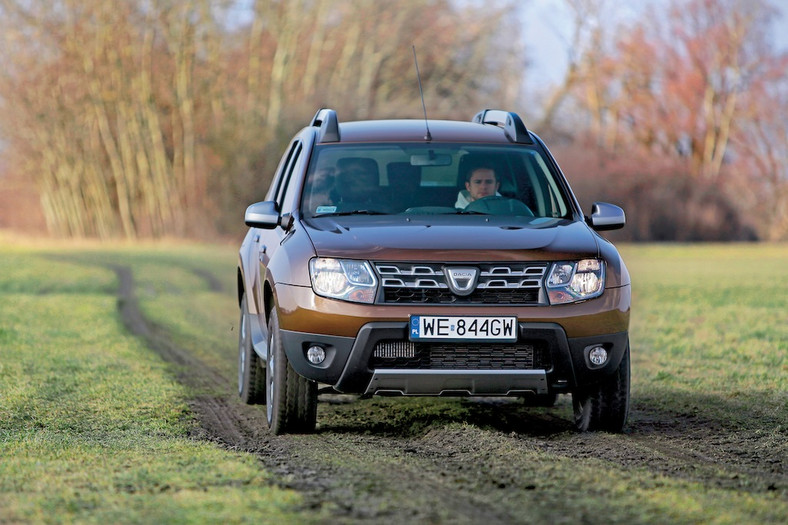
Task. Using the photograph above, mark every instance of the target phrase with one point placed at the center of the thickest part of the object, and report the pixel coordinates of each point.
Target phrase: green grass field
(94, 427)
(710, 329)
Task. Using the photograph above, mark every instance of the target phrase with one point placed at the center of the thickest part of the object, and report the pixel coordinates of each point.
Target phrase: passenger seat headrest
(403, 174)
(348, 165)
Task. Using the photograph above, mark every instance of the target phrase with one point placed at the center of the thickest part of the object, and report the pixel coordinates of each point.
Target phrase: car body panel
(301, 310)
(274, 272)
(375, 131)
(435, 238)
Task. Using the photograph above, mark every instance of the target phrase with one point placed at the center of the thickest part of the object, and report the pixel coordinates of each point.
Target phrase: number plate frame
(499, 329)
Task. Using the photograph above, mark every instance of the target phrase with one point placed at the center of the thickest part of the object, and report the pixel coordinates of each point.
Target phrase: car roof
(489, 126)
(415, 131)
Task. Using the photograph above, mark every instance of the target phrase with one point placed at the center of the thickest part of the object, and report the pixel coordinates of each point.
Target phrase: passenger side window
(286, 175)
(281, 170)
(292, 181)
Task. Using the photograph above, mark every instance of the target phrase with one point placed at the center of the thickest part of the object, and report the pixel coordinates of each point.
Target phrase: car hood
(467, 238)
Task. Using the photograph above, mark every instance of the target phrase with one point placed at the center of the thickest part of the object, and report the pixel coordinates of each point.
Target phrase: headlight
(343, 279)
(569, 282)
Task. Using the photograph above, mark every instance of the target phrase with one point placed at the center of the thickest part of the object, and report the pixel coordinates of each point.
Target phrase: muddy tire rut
(361, 465)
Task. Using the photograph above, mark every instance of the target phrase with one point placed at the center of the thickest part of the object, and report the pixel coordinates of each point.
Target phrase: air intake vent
(405, 355)
(395, 350)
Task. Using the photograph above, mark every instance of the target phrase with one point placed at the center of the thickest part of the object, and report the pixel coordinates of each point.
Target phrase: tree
(586, 50)
(762, 155)
(155, 118)
(689, 80)
(692, 88)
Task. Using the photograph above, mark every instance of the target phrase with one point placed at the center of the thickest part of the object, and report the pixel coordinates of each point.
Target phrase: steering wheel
(499, 205)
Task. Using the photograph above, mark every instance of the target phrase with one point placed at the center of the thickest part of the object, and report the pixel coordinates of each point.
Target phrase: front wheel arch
(240, 288)
(604, 406)
(269, 303)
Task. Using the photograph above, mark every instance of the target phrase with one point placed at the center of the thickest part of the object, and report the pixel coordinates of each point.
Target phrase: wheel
(251, 374)
(291, 400)
(604, 406)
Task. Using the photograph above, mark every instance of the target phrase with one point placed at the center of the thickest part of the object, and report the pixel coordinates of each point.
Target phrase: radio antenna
(427, 137)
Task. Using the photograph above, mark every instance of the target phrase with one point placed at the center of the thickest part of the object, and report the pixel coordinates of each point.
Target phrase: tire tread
(252, 389)
(295, 408)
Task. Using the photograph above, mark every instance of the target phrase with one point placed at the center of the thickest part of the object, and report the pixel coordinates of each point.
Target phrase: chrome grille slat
(425, 283)
(497, 284)
(423, 270)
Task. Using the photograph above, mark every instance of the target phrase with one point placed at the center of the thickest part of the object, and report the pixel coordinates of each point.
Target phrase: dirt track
(365, 464)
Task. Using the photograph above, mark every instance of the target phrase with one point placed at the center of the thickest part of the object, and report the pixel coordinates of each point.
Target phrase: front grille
(440, 296)
(407, 355)
(426, 283)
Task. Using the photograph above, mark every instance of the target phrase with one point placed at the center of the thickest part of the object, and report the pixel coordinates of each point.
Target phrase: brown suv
(430, 258)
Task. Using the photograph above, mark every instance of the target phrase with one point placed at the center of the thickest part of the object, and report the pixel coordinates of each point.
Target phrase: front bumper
(349, 334)
(349, 366)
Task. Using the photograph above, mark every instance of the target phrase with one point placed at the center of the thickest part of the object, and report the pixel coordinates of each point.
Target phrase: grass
(94, 428)
(710, 328)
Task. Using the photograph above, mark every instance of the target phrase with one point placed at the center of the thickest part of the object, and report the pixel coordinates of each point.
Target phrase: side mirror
(262, 215)
(606, 216)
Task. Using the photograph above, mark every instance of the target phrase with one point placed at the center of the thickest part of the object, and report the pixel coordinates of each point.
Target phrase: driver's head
(481, 182)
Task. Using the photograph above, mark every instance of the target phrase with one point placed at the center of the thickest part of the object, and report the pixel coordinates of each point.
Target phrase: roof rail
(512, 124)
(326, 120)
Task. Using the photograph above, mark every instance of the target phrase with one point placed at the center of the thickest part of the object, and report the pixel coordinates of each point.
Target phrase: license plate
(462, 328)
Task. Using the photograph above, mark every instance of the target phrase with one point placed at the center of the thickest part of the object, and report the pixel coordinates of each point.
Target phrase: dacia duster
(429, 258)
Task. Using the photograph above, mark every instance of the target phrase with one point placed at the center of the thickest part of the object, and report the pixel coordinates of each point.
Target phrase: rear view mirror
(606, 216)
(430, 159)
(262, 215)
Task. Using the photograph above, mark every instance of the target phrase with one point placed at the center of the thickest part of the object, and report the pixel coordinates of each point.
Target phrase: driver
(481, 182)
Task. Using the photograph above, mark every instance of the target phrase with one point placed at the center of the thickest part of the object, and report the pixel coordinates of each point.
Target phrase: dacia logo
(461, 281)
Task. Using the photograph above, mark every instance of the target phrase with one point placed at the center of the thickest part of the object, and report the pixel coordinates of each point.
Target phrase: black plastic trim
(337, 349)
(357, 374)
(585, 372)
(513, 126)
(326, 119)
(347, 363)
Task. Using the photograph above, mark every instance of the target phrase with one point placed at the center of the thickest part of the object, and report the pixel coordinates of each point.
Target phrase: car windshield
(431, 179)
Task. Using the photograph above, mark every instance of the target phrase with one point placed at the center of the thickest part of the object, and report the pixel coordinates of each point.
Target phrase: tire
(251, 374)
(604, 406)
(291, 400)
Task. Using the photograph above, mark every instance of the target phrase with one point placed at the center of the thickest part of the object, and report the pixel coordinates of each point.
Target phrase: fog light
(316, 354)
(597, 356)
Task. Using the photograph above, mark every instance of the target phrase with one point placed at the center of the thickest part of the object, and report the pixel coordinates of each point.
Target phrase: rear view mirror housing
(262, 215)
(430, 159)
(606, 216)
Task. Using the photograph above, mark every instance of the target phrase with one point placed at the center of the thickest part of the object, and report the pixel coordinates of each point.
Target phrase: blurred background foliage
(161, 118)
